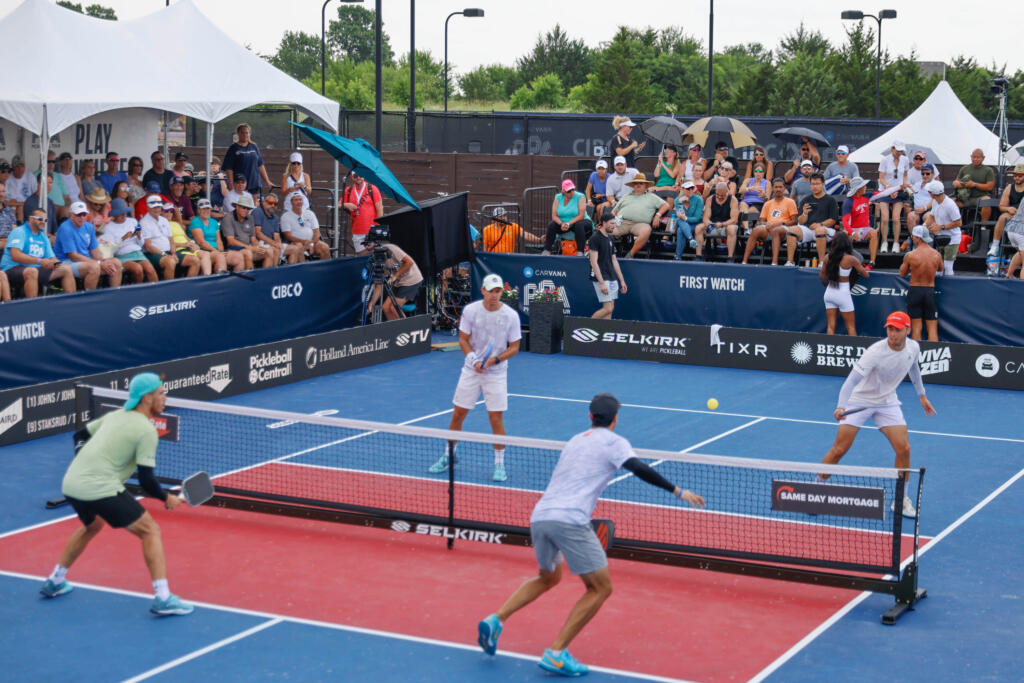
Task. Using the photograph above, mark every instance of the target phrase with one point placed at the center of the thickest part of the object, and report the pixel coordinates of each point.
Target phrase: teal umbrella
(359, 155)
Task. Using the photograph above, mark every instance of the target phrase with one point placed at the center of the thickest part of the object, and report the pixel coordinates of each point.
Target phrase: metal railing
(536, 209)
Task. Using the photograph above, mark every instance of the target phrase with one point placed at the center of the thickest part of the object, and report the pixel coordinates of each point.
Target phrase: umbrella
(796, 134)
(699, 131)
(359, 155)
(913, 148)
(664, 129)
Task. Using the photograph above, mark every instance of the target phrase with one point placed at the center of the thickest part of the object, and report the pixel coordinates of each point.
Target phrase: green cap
(141, 384)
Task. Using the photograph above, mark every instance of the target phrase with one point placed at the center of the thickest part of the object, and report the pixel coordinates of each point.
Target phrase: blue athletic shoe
(499, 473)
(489, 629)
(171, 606)
(440, 466)
(563, 664)
(52, 590)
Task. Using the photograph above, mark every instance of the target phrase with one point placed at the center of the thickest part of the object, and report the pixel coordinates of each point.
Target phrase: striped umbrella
(717, 127)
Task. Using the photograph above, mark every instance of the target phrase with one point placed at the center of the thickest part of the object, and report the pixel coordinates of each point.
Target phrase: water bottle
(992, 264)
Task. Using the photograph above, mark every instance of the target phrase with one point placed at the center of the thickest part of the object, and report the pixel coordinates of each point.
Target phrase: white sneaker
(790, 263)
(884, 249)
(993, 250)
(908, 507)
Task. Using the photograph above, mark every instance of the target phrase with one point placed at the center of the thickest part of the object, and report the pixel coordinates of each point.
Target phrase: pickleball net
(765, 511)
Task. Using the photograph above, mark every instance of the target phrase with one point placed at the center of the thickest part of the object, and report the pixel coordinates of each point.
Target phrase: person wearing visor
(116, 446)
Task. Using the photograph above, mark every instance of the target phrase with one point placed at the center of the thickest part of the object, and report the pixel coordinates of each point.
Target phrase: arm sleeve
(149, 484)
(915, 377)
(645, 472)
(848, 386)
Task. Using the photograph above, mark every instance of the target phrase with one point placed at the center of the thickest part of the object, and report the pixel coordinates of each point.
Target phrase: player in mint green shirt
(117, 444)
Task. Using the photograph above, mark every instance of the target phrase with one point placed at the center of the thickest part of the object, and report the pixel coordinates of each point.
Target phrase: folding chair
(977, 224)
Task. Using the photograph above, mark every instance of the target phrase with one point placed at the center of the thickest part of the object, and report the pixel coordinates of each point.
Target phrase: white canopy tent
(1016, 153)
(941, 123)
(41, 95)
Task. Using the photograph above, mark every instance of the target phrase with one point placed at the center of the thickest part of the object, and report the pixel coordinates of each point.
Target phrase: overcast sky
(938, 30)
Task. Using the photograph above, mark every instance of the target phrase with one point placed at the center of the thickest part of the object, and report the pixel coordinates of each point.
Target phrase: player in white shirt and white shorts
(560, 529)
(486, 325)
(871, 390)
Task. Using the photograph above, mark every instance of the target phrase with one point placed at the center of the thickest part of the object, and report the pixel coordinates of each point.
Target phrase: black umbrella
(664, 129)
(796, 134)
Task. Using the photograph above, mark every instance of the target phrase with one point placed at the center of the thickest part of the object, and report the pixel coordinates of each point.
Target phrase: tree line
(650, 70)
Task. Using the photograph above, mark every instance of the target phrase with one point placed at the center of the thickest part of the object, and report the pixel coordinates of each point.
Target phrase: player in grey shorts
(560, 527)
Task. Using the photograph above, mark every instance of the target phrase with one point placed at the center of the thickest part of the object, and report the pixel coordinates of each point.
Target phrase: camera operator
(398, 268)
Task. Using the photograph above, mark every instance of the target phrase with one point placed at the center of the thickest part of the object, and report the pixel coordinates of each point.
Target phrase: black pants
(579, 229)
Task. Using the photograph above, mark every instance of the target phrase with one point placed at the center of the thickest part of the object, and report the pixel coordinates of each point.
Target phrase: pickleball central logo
(311, 357)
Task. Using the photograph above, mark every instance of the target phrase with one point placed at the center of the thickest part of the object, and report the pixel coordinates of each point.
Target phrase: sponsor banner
(45, 409)
(760, 297)
(993, 367)
(454, 532)
(827, 499)
(57, 337)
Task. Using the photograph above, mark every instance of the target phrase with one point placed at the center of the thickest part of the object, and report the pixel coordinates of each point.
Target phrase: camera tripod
(380, 289)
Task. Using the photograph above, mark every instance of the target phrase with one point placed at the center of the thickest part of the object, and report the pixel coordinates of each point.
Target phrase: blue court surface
(972, 511)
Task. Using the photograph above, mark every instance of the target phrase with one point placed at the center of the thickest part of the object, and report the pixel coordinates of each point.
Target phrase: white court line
(768, 417)
(342, 627)
(286, 423)
(694, 447)
(202, 651)
(824, 626)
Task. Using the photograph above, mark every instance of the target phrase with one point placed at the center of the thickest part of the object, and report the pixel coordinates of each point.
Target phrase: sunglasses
(41, 219)
(926, 172)
(758, 170)
(918, 158)
(841, 154)
(51, 161)
(271, 204)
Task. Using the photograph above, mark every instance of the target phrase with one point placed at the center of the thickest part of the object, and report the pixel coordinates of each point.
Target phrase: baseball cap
(721, 144)
(928, 166)
(167, 206)
(181, 156)
(239, 178)
(935, 187)
(695, 145)
(295, 156)
(4, 166)
(899, 146)
(78, 208)
(141, 384)
(112, 156)
(64, 155)
(568, 184)
(898, 319)
(153, 186)
(921, 232)
(807, 162)
(842, 149)
(16, 160)
(605, 406)
(118, 207)
(687, 184)
(619, 160)
(204, 204)
(176, 180)
(492, 281)
(601, 163)
(244, 202)
(154, 200)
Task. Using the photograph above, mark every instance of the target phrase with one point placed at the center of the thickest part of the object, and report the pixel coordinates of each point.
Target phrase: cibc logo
(291, 290)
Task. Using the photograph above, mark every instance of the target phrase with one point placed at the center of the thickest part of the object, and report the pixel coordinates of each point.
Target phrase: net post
(83, 402)
(451, 493)
(897, 520)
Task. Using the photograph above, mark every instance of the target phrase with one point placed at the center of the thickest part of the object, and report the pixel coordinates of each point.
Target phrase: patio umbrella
(359, 155)
(796, 133)
(717, 127)
(664, 129)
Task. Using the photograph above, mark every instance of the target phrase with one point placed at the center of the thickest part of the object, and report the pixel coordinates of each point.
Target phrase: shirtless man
(922, 263)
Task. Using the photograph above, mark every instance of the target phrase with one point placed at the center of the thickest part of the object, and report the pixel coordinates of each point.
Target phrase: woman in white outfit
(839, 263)
(295, 179)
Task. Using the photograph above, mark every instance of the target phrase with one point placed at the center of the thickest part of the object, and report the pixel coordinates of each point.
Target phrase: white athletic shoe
(993, 250)
(884, 249)
(908, 507)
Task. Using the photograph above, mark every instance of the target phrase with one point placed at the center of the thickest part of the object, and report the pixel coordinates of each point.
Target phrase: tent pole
(337, 212)
(209, 156)
(163, 127)
(44, 149)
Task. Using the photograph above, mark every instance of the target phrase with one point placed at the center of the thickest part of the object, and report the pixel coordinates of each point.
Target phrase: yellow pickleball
(712, 404)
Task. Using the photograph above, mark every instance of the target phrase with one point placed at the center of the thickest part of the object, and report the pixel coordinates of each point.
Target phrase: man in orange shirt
(363, 203)
(777, 215)
(502, 236)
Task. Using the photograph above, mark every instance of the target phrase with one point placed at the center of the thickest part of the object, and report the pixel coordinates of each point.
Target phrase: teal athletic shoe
(489, 629)
(563, 664)
(499, 473)
(171, 606)
(441, 465)
(52, 590)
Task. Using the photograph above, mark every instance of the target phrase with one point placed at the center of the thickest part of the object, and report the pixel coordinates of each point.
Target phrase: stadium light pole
(468, 12)
(378, 114)
(323, 43)
(411, 124)
(857, 15)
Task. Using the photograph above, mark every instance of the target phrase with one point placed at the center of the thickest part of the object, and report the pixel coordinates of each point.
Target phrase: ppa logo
(289, 291)
(585, 335)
